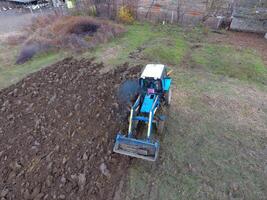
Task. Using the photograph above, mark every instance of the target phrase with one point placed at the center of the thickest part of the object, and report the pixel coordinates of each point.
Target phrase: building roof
(153, 71)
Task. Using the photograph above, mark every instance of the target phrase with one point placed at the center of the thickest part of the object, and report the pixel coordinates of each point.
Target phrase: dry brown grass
(68, 32)
(59, 30)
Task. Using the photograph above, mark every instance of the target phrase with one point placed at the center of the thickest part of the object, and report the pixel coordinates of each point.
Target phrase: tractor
(155, 92)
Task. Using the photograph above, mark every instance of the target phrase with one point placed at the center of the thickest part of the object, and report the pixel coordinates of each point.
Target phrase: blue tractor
(154, 92)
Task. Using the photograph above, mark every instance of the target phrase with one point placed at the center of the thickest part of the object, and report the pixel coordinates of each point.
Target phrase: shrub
(66, 32)
(125, 15)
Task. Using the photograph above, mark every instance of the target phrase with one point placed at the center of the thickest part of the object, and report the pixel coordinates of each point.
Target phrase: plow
(155, 92)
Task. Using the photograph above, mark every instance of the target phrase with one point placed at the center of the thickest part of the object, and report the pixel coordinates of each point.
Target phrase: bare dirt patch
(57, 132)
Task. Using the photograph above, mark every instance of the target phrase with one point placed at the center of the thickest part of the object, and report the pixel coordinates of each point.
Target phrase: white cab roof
(153, 71)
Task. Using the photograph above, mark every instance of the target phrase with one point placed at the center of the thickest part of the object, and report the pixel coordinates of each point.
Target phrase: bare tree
(180, 12)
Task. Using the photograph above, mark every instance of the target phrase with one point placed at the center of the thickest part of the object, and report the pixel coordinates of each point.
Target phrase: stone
(265, 36)
(63, 179)
(36, 143)
(104, 170)
(64, 160)
(81, 181)
(4, 192)
(62, 196)
(85, 157)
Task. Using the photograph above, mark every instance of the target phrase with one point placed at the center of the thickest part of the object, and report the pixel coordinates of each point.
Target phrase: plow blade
(136, 148)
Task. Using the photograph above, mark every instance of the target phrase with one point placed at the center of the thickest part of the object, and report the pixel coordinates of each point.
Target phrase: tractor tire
(160, 126)
(169, 97)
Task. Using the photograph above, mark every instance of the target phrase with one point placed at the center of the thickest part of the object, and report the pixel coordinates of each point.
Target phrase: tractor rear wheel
(169, 97)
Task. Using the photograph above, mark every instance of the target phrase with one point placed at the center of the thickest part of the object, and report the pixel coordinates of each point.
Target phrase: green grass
(161, 44)
(211, 149)
(213, 143)
(120, 48)
(242, 64)
(10, 74)
(166, 51)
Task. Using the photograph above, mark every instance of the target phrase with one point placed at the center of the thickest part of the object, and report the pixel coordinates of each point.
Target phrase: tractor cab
(153, 82)
(155, 77)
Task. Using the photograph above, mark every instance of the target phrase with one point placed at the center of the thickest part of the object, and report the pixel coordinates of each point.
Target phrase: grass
(171, 53)
(11, 73)
(243, 64)
(211, 148)
(160, 45)
(117, 51)
(213, 143)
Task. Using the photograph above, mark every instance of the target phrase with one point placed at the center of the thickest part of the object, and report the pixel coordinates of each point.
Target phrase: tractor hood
(148, 102)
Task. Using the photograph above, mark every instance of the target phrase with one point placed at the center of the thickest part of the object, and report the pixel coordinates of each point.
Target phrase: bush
(66, 32)
(125, 15)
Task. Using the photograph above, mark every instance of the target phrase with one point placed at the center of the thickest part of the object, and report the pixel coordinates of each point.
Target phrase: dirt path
(12, 21)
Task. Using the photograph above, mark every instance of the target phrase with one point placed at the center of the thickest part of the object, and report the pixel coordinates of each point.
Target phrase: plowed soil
(57, 130)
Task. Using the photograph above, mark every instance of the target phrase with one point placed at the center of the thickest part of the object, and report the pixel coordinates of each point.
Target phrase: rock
(73, 176)
(234, 187)
(265, 36)
(63, 179)
(36, 191)
(85, 157)
(39, 196)
(52, 99)
(49, 180)
(15, 165)
(26, 194)
(4, 192)
(36, 143)
(11, 176)
(49, 166)
(57, 148)
(104, 170)
(81, 181)
(64, 160)
(34, 148)
(116, 105)
(15, 92)
(62, 196)
(10, 117)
